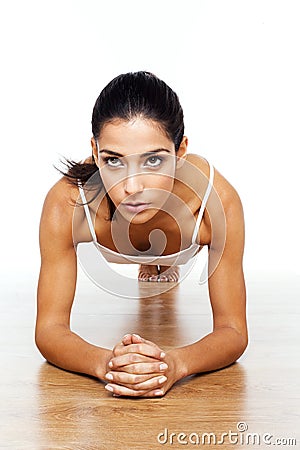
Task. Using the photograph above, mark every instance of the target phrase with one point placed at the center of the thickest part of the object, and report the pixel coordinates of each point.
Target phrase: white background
(234, 64)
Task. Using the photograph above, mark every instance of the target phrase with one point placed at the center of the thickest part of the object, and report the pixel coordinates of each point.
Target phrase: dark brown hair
(127, 96)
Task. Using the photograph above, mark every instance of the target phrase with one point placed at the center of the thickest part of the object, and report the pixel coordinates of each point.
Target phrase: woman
(138, 180)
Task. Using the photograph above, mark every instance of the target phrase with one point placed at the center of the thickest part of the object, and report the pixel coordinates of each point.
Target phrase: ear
(181, 153)
(95, 151)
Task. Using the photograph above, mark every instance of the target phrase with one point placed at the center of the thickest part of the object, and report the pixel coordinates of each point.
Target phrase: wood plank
(43, 407)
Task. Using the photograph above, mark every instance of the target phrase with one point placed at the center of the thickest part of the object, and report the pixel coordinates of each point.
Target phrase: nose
(133, 184)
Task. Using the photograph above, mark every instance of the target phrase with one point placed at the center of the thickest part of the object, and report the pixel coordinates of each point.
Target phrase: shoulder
(61, 198)
(223, 215)
(58, 209)
(225, 191)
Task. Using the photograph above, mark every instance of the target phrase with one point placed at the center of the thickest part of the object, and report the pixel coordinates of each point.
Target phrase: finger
(129, 358)
(132, 339)
(127, 339)
(155, 393)
(136, 382)
(151, 384)
(142, 348)
(136, 338)
(118, 349)
(118, 390)
(119, 362)
(126, 378)
(142, 368)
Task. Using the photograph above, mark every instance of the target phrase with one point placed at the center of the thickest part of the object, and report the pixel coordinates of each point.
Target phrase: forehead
(134, 136)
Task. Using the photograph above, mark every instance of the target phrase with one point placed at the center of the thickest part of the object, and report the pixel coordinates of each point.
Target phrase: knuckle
(132, 392)
(119, 350)
(117, 391)
(116, 377)
(156, 367)
(136, 393)
(116, 350)
(134, 368)
(139, 348)
(135, 379)
(133, 358)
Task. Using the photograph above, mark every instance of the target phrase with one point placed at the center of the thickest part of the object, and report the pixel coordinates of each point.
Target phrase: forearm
(65, 349)
(214, 351)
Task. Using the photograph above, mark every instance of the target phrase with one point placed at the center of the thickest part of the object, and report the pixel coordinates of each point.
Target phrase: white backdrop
(234, 64)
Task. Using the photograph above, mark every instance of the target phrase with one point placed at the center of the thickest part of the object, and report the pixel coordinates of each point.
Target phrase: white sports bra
(177, 258)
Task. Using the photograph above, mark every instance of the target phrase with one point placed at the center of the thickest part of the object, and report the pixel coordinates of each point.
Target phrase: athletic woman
(141, 198)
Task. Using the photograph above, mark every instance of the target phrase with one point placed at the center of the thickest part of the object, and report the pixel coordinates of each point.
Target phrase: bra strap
(204, 202)
(88, 214)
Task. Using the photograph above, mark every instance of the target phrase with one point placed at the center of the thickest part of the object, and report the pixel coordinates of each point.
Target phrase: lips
(135, 207)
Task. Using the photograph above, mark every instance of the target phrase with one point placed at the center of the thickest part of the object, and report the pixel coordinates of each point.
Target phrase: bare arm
(56, 289)
(228, 339)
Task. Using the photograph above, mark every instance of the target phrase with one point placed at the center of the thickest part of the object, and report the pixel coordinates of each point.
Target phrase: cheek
(161, 183)
(110, 186)
(115, 193)
(110, 181)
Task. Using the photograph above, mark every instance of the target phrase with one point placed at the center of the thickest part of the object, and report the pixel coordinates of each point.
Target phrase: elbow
(45, 344)
(48, 337)
(44, 338)
(40, 342)
(237, 341)
(241, 344)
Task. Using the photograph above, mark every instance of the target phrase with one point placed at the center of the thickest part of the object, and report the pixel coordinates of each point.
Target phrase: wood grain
(43, 407)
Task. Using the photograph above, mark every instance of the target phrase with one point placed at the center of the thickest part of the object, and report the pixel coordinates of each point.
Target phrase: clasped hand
(139, 368)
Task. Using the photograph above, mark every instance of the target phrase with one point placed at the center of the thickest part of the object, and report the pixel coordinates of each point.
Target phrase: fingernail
(110, 364)
(109, 376)
(159, 392)
(162, 355)
(109, 388)
(137, 335)
(163, 366)
(162, 379)
(126, 336)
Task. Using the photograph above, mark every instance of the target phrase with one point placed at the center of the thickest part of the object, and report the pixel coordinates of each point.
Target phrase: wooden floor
(43, 407)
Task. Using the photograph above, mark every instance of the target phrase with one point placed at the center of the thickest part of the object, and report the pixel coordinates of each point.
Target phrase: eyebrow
(113, 153)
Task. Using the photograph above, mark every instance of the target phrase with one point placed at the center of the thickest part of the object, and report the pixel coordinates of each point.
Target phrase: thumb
(136, 339)
(127, 339)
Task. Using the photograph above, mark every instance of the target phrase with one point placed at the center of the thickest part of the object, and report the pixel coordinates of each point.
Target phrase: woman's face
(137, 164)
